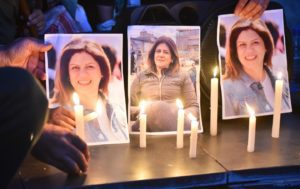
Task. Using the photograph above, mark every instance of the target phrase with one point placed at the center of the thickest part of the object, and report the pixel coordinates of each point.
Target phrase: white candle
(194, 136)
(93, 115)
(143, 125)
(79, 119)
(277, 107)
(214, 104)
(180, 124)
(252, 128)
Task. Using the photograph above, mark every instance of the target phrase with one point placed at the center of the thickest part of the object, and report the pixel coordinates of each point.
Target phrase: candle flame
(279, 76)
(250, 110)
(142, 106)
(179, 103)
(191, 117)
(98, 107)
(215, 71)
(76, 98)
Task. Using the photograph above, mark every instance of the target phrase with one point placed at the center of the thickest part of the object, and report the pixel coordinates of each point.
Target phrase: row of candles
(80, 118)
(214, 118)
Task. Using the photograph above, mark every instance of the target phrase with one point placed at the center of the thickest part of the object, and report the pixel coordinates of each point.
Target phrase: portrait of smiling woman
(249, 76)
(83, 67)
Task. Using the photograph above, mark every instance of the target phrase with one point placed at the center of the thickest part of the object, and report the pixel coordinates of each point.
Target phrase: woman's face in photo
(250, 49)
(85, 73)
(162, 56)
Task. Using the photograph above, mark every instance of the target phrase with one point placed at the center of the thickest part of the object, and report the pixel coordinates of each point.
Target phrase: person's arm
(37, 19)
(27, 53)
(57, 145)
(251, 9)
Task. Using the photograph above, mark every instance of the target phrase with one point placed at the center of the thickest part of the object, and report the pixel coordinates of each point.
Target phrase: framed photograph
(84, 75)
(164, 70)
(252, 56)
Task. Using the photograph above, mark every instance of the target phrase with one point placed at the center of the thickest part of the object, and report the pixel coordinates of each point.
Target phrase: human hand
(37, 19)
(28, 53)
(251, 9)
(62, 117)
(61, 148)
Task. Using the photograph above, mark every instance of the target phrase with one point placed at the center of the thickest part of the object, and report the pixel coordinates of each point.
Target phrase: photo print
(84, 75)
(252, 56)
(164, 67)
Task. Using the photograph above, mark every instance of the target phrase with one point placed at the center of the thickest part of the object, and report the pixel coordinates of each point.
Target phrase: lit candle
(277, 106)
(180, 124)
(143, 125)
(214, 104)
(194, 136)
(93, 115)
(252, 128)
(79, 119)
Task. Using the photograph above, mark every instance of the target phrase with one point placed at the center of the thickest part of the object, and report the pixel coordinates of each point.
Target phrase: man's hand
(61, 148)
(62, 117)
(28, 53)
(251, 9)
(37, 20)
